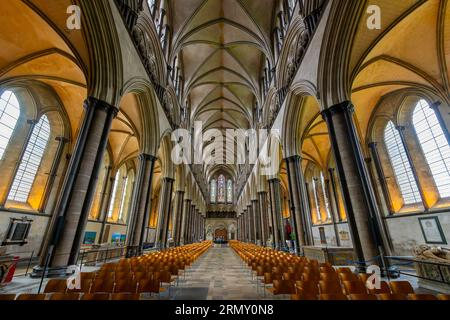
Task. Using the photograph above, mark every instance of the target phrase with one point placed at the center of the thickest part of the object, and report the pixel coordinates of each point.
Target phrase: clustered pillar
(72, 209)
(356, 188)
(162, 229)
(264, 217)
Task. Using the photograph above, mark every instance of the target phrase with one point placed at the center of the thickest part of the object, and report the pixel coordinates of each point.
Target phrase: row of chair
(282, 273)
(72, 296)
(145, 274)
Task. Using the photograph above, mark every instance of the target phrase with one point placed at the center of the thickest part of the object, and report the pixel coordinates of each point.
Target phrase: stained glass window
(400, 164)
(229, 191)
(434, 145)
(9, 113)
(213, 190)
(221, 189)
(30, 162)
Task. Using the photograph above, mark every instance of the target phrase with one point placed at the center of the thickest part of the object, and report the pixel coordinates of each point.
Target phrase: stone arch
(148, 106)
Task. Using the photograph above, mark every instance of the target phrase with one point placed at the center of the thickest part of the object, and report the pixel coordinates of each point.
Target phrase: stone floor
(218, 275)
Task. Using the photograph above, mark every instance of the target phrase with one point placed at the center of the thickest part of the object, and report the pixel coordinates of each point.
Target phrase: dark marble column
(355, 183)
(72, 209)
(184, 220)
(251, 223)
(278, 227)
(162, 229)
(263, 212)
(141, 204)
(247, 232)
(299, 209)
(257, 219)
(191, 222)
(178, 216)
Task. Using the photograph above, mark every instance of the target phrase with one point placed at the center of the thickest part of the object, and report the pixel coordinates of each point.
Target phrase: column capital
(295, 158)
(343, 107)
(274, 180)
(147, 157)
(168, 179)
(92, 102)
(372, 145)
(435, 105)
(262, 192)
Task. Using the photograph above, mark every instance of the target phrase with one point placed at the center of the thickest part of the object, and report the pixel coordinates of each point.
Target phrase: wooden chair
(150, 286)
(354, 287)
(335, 296)
(31, 296)
(346, 276)
(125, 296)
(362, 296)
(414, 296)
(65, 296)
(390, 296)
(344, 270)
(87, 275)
(125, 286)
(328, 277)
(100, 286)
(139, 276)
(56, 285)
(330, 287)
(283, 287)
(6, 297)
(85, 287)
(95, 296)
(304, 296)
(384, 288)
(401, 287)
(363, 277)
(307, 287)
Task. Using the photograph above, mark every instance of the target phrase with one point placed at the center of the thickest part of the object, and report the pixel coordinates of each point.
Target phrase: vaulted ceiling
(223, 45)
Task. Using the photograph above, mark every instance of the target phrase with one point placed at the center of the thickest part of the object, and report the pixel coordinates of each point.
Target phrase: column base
(51, 272)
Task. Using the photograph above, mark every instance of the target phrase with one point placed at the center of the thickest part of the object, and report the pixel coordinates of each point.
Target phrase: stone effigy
(433, 266)
(436, 254)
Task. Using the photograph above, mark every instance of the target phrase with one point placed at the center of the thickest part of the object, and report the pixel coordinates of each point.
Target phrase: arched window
(325, 195)
(213, 191)
(123, 198)
(113, 195)
(400, 165)
(434, 146)
(30, 162)
(9, 114)
(221, 189)
(316, 200)
(229, 191)
(100, 188)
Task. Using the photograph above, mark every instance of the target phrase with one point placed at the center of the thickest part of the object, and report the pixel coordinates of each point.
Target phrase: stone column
(257, 218)
(355, 184)
(72, 209)
(191, 222)
(141, 204)
(246, 232)
(178, 216)
(184, 220)
(299, 209)
(263, 216)
(162, 229)
(251, 225)
(278, 232)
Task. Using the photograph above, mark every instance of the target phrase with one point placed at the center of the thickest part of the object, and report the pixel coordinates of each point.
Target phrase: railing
(441, 271)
